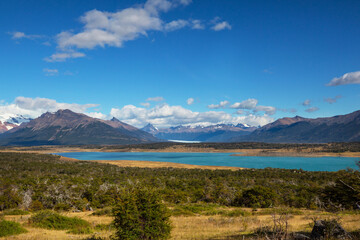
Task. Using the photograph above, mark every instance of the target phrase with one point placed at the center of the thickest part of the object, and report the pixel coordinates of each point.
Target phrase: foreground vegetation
(224, 202)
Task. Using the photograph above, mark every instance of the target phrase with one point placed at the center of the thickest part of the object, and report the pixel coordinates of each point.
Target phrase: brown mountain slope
(67, 128)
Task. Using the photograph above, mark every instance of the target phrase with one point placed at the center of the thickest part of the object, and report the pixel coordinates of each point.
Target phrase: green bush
(103, 212)
(15, 212)
(8, 228)
(52, 220)
(258, 196)
(139, 214)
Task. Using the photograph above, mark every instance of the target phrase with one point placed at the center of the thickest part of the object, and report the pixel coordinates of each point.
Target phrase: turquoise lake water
(224, 159)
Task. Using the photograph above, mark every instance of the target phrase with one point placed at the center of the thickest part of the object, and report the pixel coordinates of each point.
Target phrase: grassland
(199, 226)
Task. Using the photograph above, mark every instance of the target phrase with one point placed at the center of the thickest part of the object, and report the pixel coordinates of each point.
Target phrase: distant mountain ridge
(341, 128)
(69, 128)
(212, 133)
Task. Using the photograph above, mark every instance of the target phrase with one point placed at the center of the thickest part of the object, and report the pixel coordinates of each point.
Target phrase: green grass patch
(8, 228)
(103, 227)
(80, 230)
(15, 212)
(269, 211)
(52, 220)
(103, 212)
(206, 210)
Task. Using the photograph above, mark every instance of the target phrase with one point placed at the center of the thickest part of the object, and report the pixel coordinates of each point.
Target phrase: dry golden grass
(148, 164)
(195, 227)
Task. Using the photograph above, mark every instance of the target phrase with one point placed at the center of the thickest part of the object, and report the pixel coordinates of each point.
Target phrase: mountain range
(65, 127)
(68, 128)
(341, 128)
(213, 133)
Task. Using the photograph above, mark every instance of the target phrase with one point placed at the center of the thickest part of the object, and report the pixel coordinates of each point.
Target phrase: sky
(173, 62)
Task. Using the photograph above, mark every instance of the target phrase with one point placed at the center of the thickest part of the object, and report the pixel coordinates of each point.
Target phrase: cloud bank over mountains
(160, 115)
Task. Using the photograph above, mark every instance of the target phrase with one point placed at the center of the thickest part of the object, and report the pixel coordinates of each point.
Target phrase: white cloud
(162, 115)
(190, 101)
(347, 78)
(114, 28)
(62, 56)
(251, 104)
(306, 103)
(50, 72)
(34, 107)
(197, 24)
(246, 104)
(165, 116)
(175, 25)
(312, 109)
(221, 26)
(267, 109)
(222, 104)
(155, 99)
(332, 100)
(146, 104)
(20, 35)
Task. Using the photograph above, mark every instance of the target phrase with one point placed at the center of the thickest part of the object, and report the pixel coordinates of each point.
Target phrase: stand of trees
(38, 181)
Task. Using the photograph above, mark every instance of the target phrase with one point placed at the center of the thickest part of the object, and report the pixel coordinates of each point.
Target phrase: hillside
(341, 128)
(67, 128)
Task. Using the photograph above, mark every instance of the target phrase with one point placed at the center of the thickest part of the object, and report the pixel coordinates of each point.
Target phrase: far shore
(307, 152)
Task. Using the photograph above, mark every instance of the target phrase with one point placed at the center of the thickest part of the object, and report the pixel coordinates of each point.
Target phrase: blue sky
(180, 61)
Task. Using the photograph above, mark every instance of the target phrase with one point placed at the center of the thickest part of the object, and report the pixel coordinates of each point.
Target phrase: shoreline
(180, 149)
(154, 164)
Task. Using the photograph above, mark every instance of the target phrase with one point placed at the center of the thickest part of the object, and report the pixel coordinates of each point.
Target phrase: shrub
(102, 212)
(8, 228)
(139, 214)
(36, 206)
(15, 212)
(52, 220)
(258, 196)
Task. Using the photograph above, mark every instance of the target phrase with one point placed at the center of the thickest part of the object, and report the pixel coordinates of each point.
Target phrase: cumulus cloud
(347, 78)
(332, 100)
(251, 104)
(146, 104)
(306, 103)
(197, 24)
(162, 115)
(63, 56)
(312, 109)
(50, 72)
(175, 25)
(190, 101)
(114, 28)
(246, 104)
(155, 99)
(165, 116)
(34, 107)
(219, 25)
(21, 35)
(222, 104)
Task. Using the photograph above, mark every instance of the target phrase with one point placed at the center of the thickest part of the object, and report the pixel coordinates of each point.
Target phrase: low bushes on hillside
(52, 220)
(8, 228)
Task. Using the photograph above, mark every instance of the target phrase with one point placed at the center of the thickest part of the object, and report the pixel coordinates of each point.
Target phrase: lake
(224, 159)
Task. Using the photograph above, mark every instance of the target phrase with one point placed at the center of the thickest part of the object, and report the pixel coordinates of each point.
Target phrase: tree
(139, 214)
